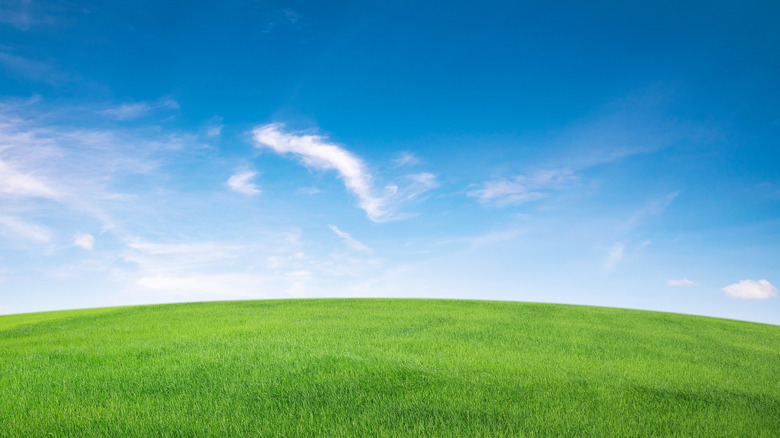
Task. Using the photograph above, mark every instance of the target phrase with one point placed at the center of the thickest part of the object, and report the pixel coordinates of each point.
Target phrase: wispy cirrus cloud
(20, 228)
(308, 191)
(192, 269)
(180, 257)
(128, 111)
(84, 240)
(652, 208)
(207, 286)
(214, 127)
(135, 110)
(46, 160)
(615, 255)
(682, 282)
(273, 266)
(489, 238)
(424, 181)
(16, 183)
(23, 14)
(33, 69)
(634, 125)
(317, 152)
(751, 290)
(351, 242)
(19, 17)
(71, 180)
(522, 188)
(242, 183)
(406, 159)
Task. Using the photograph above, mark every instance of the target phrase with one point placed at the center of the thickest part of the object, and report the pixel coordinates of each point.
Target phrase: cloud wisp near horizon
(344, 160)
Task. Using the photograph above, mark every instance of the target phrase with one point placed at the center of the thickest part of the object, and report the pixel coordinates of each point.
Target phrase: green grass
(385, 368)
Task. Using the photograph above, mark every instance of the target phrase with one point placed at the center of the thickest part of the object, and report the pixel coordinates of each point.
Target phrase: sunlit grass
(385, 368)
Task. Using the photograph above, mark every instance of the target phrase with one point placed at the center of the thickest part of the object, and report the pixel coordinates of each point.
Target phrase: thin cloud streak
(308, 191)
(135, 110)
(274, 266)
(242, 183)
(406, 159)
(18, 14)
(682, 282)
(208, 286)
(16, 183)
(26, 230)
(615, 256)
(75, 167)
(34, 70)
(522, 188)
(351, 242)
(315, 151)
(214, 127)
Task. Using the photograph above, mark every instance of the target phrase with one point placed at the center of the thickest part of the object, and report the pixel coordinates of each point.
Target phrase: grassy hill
(385, 368)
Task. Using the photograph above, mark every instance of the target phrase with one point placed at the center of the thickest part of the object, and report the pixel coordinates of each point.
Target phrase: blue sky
(612, 154)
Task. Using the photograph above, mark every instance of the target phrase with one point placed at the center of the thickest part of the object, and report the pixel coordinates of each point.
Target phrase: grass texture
(385, 367)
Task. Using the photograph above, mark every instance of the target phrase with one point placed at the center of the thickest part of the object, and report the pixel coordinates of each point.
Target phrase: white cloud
(751, 290)
(190, 269)
(189, 258)
(406, 159)
(33, 70)
(683, 282)
(317, 152)
(19, 14)
(615, 256)
(425, 179)
(309, 191)
(82, 240)
(26, 230)
(208, 270)
(214, 127)
(351, 242)
(522, 188)
(13, 182)
(76, 167)
(242, 183)
(192, 252)
(77, 178)
(486, 239)
(20, 19)
(167, 103)
(130, 111)
(652, 208)
(209, 286)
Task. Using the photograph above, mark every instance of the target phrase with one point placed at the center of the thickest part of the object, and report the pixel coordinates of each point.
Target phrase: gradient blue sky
(609, 153)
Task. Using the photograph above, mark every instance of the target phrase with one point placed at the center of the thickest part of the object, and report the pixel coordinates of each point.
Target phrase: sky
(620, 154)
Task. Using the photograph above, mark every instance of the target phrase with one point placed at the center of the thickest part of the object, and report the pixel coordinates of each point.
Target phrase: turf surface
(376, 367)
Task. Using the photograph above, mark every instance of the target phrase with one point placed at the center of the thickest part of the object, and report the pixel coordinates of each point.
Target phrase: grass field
(385, 368)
